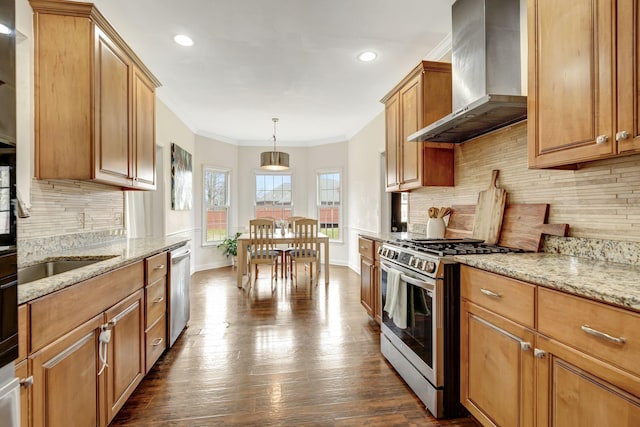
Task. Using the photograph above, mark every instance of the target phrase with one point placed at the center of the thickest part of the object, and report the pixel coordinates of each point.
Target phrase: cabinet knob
(26, 382)
(622, 135)
(525, 346)
(601, 139)
(540, 354)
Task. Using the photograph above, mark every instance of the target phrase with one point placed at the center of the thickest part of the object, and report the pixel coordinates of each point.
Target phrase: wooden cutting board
(487, 220)
(523, 225)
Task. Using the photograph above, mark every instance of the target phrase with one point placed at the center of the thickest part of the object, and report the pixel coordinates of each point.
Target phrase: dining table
(278, 238)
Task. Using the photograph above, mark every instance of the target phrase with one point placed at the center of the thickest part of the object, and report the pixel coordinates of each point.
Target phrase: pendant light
(274, 160)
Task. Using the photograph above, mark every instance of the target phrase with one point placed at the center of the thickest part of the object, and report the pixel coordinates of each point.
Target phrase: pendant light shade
(274, 160)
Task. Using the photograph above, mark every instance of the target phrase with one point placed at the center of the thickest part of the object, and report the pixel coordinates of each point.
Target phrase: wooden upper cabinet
(628, 77)
(583, 98)
(94, 100)
(421, 98)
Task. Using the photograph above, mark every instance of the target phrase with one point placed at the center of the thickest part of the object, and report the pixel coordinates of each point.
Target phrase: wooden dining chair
(285, 258)
(305, 248)
(261, 248)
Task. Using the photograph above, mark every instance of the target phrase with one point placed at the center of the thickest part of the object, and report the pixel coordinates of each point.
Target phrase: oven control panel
(418, 262)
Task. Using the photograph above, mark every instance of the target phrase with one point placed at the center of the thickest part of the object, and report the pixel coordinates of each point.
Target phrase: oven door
(418, 342)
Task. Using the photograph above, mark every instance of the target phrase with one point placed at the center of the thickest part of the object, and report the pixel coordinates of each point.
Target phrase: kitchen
(596, 200)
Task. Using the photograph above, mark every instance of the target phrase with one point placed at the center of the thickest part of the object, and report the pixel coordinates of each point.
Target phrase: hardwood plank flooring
(295, 356)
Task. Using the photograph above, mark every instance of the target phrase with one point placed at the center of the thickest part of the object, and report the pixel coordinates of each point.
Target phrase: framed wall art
(181, 180)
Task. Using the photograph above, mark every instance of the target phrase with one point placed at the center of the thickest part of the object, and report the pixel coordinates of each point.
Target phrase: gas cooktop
(444, 247)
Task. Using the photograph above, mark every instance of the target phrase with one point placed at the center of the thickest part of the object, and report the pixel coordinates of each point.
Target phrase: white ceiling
(293, 59)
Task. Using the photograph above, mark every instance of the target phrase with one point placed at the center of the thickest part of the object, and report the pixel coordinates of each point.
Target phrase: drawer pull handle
(157, 342)
(159, 267)
(490, 293)
(157, 300)
(602, 335)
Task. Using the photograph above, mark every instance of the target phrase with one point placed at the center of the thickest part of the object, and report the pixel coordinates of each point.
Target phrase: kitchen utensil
(435, 228)
(442, 212)
(433, 213)
(489, 212)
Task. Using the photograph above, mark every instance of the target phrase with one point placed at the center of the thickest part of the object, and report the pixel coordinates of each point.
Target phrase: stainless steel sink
(50, 268)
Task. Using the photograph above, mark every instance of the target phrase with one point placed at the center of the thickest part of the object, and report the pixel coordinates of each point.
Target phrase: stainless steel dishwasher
(179, 283)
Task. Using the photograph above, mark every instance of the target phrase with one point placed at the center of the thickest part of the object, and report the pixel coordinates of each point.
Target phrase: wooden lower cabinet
(366, 284)
(66, 384)
(497, 368)
(575, 366)
(126, 354)
(22, 372)
(575, 389)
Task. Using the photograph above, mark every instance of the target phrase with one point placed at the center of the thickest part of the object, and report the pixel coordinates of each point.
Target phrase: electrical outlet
(80, 218)
(117, 218)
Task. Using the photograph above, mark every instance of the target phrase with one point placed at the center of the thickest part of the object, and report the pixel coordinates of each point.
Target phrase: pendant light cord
(275, 120)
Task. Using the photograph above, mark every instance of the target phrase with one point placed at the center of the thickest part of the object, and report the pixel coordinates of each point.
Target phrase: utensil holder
(435, 228)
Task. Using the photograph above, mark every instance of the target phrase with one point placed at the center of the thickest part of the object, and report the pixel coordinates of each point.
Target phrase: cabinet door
(125, 351)
(575, 389)
(411, 117)
(628, 131)
(65, 379)
(144, 161)
(572, 88)
(392, 116)
(112, 131)
(496, 368)
(366, 282)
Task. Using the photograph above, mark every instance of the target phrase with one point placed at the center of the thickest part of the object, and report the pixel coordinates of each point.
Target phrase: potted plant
(230, 247)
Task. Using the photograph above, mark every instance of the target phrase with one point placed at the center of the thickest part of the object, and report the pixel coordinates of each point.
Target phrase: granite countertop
(605, 281)
(117, 253)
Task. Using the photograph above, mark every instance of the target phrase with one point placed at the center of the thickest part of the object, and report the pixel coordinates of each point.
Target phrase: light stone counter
(118, 253)
(601, 280)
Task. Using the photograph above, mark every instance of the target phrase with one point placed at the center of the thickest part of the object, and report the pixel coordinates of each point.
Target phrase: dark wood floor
(305, 356)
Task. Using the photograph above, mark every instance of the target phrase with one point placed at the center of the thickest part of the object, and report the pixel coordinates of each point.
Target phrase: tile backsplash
(599, 200)
(67, 207)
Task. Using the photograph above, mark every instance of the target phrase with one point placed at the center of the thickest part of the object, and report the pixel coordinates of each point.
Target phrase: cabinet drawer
(156, 302)
(365, 246)
(577, 322)
(155, 267)
(156, 342)
(507, 297)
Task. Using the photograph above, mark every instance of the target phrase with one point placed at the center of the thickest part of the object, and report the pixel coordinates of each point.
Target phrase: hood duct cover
(487, 86)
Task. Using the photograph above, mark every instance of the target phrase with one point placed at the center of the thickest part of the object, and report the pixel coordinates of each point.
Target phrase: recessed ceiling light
(183, 40)
(4, 29)
(367, 56)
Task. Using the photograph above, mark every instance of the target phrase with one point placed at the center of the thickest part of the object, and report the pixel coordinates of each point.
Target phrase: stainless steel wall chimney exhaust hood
(485, 67)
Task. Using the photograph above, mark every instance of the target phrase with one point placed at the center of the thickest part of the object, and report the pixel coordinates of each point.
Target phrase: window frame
(263, 172)
(340, 227)
(227, 172)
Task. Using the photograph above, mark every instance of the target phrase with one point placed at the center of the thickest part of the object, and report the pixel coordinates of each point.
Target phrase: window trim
(257, 172)
(340, 206)
(226, 171)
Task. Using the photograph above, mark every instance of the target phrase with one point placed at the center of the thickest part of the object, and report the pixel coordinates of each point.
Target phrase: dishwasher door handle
(178, 257)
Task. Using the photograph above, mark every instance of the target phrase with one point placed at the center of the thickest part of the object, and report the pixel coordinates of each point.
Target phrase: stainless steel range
(420, 330)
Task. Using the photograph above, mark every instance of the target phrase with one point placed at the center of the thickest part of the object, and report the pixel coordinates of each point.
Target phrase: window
(273, 196)
(216, 205)
(329, 207)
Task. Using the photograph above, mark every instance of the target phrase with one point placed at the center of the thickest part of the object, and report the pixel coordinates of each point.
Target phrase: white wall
(24, 98)
(329, 157)
(364, 178)
(209, 152)
(170, 129)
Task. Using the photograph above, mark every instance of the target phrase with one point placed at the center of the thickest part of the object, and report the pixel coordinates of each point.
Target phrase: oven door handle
(408, 279)
(416, 282)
